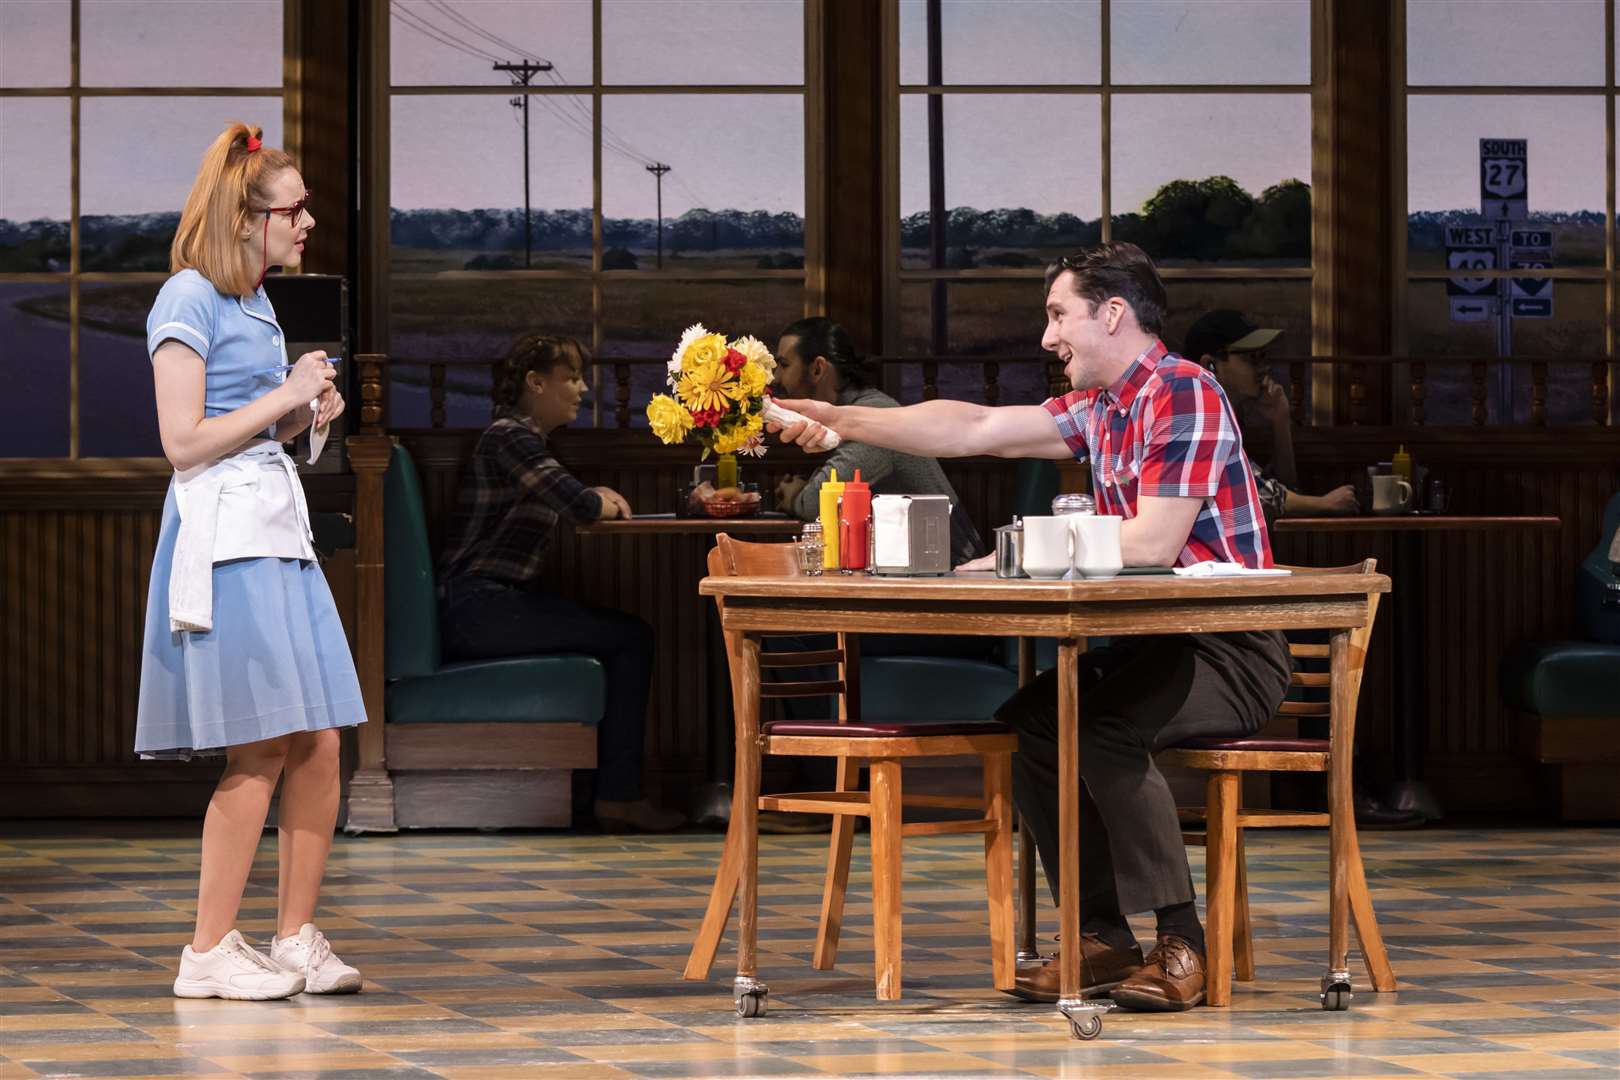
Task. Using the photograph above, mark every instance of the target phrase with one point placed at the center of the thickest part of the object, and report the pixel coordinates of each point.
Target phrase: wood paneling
(75, 563)
(75, 556)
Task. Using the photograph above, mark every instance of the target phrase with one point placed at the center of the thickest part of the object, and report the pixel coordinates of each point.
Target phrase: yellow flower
(708, 349)
(708, 386)
(755, 350)
(751, 380)
(669, 419)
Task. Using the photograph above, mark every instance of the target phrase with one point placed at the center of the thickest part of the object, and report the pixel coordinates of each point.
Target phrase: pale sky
(746, 152)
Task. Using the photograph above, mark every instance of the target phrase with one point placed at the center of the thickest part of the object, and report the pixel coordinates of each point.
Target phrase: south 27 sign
(1504, 179)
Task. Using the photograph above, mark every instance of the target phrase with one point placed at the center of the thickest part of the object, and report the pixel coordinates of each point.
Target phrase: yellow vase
(725, 471)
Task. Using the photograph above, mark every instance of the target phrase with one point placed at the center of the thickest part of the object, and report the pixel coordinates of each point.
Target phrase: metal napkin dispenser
(911, 535)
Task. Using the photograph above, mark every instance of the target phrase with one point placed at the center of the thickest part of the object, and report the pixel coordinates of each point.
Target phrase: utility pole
(522, 74)
(937, 337)
(658, 169)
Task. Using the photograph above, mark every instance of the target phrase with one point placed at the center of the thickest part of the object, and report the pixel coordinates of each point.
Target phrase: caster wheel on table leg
(1086, 1029)
(749, 993)
(1336, 992)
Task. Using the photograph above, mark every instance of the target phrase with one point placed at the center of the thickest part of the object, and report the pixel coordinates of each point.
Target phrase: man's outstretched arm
(934, 429)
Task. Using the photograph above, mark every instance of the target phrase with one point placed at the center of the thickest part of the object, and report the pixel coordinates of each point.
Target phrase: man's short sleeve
(184, 312)
(1071, 413)
(1189, 437)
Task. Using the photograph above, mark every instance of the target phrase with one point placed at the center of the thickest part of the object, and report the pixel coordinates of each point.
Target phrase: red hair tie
(253, 143)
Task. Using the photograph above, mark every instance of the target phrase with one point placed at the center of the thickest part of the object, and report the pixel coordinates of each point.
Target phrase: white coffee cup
(1048, 547)
(1391, 495)
(1096, 545)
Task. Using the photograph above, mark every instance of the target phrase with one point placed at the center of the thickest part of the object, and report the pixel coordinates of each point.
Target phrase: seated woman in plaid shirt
(1166, 455)
(513, 495)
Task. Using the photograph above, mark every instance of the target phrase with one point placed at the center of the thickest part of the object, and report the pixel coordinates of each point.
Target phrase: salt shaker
(811, 550)
(1073, 504)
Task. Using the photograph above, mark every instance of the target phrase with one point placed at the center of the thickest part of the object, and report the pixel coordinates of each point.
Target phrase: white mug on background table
(1391, 495)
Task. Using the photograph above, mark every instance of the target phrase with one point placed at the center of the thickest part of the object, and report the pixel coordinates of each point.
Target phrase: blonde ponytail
(232, 185)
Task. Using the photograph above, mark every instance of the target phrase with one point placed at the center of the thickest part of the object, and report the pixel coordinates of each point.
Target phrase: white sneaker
(234, 969)
(310, 955)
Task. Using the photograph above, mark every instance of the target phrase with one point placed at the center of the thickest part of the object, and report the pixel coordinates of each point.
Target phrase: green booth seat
(932, 689)
(524, 690)
(1567, 693)
(484, 743)
(1564, 678)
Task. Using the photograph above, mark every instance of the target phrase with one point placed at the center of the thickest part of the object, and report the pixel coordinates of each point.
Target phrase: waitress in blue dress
(244, 656)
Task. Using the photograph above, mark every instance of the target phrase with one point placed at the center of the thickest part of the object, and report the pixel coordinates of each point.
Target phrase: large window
(1533, 83)
(615, 170)
(105, 109)
(1026, 129)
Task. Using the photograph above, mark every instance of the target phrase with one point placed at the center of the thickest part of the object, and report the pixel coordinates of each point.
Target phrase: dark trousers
(486, 620)
(1137, 696)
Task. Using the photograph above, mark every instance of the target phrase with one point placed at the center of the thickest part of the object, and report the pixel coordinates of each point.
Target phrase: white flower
(755, 350)
(755, 446)
(673, 370)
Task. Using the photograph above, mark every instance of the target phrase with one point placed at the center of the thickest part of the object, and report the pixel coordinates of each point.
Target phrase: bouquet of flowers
(719, 394)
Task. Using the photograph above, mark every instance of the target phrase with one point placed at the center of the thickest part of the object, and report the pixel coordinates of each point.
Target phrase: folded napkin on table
(1226, 569)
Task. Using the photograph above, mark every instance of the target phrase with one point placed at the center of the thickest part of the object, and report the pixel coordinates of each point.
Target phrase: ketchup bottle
(854, 524)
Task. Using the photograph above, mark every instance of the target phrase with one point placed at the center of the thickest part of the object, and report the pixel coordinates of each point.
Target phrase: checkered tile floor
(545, 955)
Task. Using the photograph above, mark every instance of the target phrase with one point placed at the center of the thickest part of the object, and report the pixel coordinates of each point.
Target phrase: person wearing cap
(1234, 348)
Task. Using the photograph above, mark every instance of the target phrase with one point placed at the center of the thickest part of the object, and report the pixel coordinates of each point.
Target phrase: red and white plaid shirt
(1166, 429)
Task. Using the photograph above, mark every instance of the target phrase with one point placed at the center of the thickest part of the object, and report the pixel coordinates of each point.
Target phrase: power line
(481, 32)
(439, 34)
(580, 120)
(611, 139)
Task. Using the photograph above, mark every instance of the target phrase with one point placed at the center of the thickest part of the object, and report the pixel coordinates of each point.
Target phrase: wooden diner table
(1409, 729)
(1071, 611)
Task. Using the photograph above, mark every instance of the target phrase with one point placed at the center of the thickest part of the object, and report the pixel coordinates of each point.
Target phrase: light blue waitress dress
(276, 660)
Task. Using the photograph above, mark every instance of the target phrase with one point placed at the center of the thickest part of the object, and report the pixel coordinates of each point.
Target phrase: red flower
(706, 417)
(734, 361)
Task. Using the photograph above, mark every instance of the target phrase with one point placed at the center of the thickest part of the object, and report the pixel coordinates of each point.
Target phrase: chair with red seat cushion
(883, 747)
(1280, 749)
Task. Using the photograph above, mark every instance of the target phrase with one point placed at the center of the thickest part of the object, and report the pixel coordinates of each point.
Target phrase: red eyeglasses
(291, 212)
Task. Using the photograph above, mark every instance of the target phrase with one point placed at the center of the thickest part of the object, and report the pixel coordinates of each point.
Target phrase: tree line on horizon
(1199, 220)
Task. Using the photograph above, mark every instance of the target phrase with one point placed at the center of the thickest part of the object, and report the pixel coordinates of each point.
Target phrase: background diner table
(1071, 611)
(1409, 660)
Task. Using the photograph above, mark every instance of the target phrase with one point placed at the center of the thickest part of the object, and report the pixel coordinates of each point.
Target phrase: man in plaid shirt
(1165, 455)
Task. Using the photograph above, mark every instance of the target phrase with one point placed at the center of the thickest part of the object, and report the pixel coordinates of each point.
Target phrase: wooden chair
(883, 747)
(1278, 749)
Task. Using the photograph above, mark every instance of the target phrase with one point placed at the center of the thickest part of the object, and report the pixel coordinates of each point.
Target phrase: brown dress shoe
(1102, 967)
(1172, 979)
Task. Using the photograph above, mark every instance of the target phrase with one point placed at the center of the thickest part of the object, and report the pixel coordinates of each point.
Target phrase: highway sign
(1473, 309)
(1504, 179)
(1530, 297)
(1470, 248)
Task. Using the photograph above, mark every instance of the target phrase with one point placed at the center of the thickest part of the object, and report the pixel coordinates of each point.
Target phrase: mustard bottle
(831, 491)
(1401, 464)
